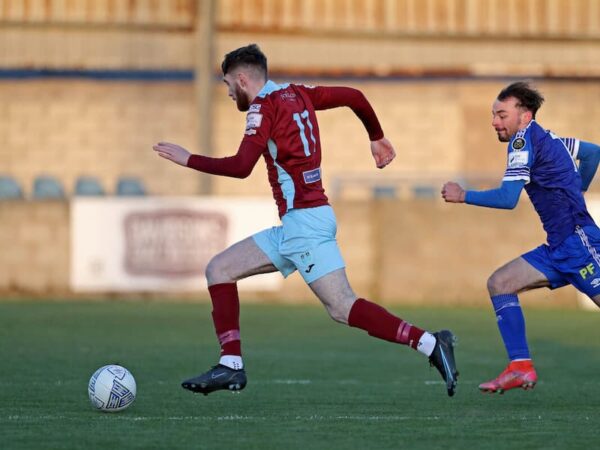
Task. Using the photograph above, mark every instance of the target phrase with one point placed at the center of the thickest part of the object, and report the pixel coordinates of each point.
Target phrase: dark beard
(241, 100)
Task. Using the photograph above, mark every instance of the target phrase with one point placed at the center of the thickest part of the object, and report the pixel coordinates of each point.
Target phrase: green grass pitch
(312, 384)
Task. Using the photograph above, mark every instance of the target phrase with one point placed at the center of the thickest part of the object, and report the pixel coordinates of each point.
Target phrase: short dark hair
(250, 55)
(528, 97)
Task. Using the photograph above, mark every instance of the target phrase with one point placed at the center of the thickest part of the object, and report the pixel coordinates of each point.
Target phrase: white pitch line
(235, 418)
(292, 381)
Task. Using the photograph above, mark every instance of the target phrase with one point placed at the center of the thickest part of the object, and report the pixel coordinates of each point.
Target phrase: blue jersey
(552, 180)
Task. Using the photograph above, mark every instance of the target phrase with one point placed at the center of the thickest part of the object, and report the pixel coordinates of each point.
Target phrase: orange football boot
(518, 374)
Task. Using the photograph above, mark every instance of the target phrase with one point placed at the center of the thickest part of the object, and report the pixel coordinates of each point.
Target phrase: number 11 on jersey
(300, 120)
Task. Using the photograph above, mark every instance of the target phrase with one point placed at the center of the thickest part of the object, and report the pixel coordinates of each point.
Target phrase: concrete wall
(34, 247)
(70, 127)
(542, 37)
(440, 129)
(409, 252)
(67, 127)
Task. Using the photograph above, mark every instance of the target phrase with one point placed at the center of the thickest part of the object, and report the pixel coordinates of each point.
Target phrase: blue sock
(512, 325)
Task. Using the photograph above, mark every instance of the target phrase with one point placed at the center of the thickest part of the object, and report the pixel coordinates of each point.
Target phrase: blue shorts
(305, 242)
(575, 261)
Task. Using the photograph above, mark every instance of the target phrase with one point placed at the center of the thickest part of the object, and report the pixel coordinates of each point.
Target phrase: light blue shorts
(575, 261)
(305, 242)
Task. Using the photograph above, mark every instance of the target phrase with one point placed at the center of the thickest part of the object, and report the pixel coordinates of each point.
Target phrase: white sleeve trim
(525, 178)
(575, 148)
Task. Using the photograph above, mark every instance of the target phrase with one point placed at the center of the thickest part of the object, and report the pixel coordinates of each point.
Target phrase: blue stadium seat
(88, 186)
(47, 187)
(130, 186)
(384, 192)
(9, 188)
(424, 192)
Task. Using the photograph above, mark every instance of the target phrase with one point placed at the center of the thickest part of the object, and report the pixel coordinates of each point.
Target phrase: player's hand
(382, 152)
(453, 193)
(172, 152)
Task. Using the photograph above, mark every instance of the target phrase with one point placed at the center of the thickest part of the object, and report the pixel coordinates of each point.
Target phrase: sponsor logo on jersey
(254, 108)
(518, 159)
(518, 143)
(595, 282)
(253, 120)
(312, 176)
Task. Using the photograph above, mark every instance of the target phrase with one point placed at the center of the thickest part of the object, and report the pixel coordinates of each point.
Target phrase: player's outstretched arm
(239, 165)
(504, 197)
(172, 152)
(383, 152)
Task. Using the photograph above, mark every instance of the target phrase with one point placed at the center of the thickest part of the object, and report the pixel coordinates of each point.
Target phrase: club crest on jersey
(288, 96)
(518, 144)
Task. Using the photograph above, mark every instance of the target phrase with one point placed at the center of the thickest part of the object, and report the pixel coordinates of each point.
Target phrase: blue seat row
(49, 187)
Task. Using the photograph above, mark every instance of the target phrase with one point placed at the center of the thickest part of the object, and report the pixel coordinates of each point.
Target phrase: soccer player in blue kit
(544, 165)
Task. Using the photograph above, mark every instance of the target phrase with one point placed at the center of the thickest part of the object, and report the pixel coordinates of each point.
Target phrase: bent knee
(498, 284)
(215, 271)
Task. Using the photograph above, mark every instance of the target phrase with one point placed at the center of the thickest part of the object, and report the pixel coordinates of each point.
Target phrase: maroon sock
(226, 317)
(379, 323)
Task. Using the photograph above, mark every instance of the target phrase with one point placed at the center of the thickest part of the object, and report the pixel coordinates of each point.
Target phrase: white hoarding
(160, 243)
(593, 204)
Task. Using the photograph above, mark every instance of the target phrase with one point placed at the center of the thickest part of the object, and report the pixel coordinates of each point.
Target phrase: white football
(112, 388)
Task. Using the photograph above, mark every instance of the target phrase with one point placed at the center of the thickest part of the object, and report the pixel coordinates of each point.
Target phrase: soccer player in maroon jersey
(281, 126)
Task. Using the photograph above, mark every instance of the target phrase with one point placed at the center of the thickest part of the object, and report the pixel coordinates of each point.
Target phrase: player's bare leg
(504, 285)
(237, 262)
(515, 277)
(343, 306)
(596, 300)
(335, 293)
